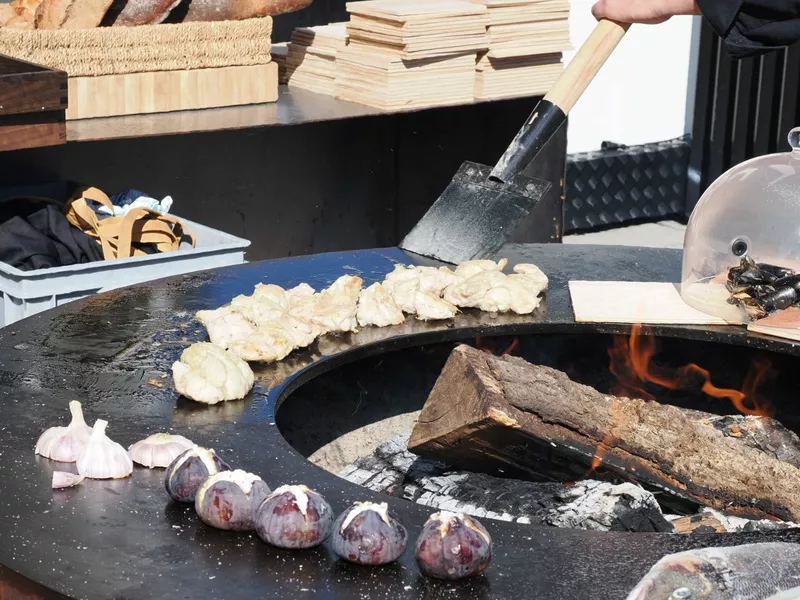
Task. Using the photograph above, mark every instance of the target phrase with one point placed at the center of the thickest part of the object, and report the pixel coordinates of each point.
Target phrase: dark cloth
(126, 197)
(35, 234)
(753, 27)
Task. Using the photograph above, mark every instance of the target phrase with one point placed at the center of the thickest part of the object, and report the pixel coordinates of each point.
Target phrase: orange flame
(489, 345)
(632, 364)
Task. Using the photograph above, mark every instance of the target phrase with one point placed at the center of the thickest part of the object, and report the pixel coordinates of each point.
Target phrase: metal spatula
(482, 206)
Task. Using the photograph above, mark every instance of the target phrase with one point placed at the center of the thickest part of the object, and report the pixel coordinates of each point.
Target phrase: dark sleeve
(753, 27)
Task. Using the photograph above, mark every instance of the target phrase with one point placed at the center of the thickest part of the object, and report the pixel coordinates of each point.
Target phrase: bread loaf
(17, 22)
(6, 13)
(51, 14)
(145, 12)
(78, 14)
(237, 10)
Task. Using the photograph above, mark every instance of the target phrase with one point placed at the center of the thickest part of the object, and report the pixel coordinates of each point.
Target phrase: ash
(589, 504)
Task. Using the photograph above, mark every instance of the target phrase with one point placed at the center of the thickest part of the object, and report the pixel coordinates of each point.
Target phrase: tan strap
(119, 234)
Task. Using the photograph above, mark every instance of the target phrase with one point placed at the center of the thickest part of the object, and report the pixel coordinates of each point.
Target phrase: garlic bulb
(103, 458)
(65, 444)
(63, 479)
(206, 373)
(159, 450)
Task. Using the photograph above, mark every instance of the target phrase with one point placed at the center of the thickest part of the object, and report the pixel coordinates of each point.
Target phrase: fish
(747, 572)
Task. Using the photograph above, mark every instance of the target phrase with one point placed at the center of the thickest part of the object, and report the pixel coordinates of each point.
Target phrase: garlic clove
(65, 444)
(159, 450)
(63, 479)
(103, 458)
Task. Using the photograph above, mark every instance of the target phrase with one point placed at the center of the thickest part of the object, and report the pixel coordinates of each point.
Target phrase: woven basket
(164, 47)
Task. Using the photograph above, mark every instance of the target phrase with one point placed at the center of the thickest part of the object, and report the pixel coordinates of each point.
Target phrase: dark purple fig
(453, 546)
(294, 517)
(369, 534)
(189, 471)
(229, 500)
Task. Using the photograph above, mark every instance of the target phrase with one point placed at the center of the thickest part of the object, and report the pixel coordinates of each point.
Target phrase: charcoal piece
(595, 505)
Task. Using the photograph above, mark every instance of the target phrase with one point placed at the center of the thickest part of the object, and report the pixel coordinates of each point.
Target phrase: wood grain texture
(535, 421)
(167, 91)
(32, 130)
(644, 302)
(586, 64)
(28, 88)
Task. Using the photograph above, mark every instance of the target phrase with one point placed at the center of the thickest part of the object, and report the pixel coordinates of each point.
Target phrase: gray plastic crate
(25, 293)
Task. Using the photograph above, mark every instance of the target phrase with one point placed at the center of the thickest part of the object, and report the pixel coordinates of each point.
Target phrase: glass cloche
(752, 210)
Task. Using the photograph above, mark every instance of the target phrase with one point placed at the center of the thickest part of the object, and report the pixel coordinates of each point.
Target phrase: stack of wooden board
(417, 29)
(527, 27)
(411, 53)
(311, 57)
(279, 52)
(517, 76)
(389, 82)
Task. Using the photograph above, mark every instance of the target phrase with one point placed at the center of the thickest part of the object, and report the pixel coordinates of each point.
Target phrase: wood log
(503, 413)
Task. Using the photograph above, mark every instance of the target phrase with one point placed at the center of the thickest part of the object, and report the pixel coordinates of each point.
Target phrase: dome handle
(794, 139)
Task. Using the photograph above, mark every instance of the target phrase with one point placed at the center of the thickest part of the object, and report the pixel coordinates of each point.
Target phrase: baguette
(51, 14)
(85, 14)
(6, 13)
(145, 12)
(18, 22)
(237, 10)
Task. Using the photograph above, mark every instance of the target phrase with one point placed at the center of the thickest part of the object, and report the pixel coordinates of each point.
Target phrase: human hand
(643, 11)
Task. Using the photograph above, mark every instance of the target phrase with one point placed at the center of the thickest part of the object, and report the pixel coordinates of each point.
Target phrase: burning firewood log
(504, 414)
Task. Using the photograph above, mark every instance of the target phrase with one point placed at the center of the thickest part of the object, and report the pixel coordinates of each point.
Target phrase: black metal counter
(126, 540)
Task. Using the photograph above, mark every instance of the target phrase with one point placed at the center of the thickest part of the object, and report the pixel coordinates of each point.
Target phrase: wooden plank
(645, 302)
(27, 88)
(32, 130)
(167, 91)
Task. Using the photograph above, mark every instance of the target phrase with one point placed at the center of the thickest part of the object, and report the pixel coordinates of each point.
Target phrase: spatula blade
(475, 216)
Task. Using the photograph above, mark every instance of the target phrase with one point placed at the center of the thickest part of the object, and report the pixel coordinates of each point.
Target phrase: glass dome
(751, 210)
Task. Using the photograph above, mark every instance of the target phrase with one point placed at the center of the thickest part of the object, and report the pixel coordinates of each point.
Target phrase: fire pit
(124, 539)
(365, 412)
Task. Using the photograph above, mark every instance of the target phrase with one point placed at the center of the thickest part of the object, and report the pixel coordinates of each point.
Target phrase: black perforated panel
(618, 184)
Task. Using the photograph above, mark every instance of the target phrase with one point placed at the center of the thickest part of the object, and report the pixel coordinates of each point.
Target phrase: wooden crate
(32, 104)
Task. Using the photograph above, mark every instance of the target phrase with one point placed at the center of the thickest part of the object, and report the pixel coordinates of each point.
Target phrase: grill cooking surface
(124, 539)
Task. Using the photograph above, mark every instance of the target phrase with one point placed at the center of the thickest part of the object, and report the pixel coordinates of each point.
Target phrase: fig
(453, 546)
(189, 471)
(369, 534)
(228, 500)
(294, 517)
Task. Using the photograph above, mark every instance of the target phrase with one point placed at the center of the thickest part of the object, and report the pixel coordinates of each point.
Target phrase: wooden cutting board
(650, 303)
(783, 324)
(167, 91)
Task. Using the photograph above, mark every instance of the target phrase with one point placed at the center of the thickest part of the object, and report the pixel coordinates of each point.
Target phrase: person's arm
(748, 27)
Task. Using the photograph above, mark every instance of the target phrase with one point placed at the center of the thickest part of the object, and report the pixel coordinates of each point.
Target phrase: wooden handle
(586, 63)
